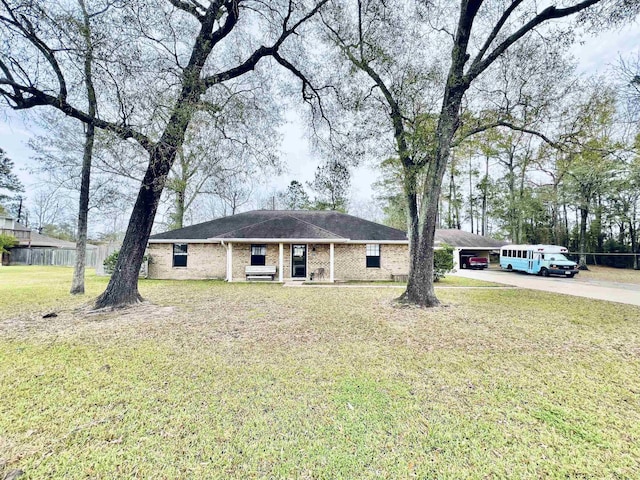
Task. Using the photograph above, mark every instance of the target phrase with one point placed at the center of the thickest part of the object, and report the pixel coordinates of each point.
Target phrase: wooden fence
(66, 257)
(60, 257)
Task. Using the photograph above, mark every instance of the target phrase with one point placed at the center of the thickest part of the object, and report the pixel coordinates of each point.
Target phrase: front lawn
(216, 380)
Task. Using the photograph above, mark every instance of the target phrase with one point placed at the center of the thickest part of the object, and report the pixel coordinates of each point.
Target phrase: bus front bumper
(564, 273)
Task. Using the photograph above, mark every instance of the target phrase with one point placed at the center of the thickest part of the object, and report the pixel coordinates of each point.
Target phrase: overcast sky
(595, 55)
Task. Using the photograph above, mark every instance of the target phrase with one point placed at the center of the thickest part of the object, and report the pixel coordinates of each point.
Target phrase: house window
(258, 254)
(373, 255)
(179, 254)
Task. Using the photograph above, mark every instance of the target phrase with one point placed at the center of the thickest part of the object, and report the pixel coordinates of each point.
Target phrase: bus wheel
(544, 272)
(509, 267)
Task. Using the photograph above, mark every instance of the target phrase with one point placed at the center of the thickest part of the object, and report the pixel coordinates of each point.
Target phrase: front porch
(297, 260)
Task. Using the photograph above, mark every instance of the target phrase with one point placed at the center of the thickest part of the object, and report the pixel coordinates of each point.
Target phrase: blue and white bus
(542, 260)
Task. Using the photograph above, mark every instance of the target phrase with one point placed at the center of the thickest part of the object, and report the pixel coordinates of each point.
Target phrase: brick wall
(204, 260)
(242, 258)
(320, 258)
(351, 262)
(209, 261)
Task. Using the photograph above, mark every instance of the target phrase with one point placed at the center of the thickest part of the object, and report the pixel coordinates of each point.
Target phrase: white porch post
(280, 263)
(331, 258)
(230, 262)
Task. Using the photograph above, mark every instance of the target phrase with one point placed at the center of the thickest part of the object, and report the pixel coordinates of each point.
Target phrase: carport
(467, 243)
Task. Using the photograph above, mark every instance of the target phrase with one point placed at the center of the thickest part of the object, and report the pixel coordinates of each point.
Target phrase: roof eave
(275, 240)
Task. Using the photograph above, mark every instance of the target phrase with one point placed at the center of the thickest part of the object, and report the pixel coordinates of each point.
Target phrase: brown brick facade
(204, 261)
(351, 262)
(209, 261)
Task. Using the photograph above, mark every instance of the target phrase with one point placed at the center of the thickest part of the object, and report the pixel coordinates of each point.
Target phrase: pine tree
(10, 185)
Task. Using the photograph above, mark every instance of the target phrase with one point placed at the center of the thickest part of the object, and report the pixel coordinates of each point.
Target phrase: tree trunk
(450, 211)
(420, 290)
(633, 233)
(485, 194)
(512, 214)
(179, 217)
(582, 263)
(471, 194)
(122, 289)
(77, 285)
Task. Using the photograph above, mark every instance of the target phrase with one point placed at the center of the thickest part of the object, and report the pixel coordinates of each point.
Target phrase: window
(258, 254)
(373, 255)
(179, 254)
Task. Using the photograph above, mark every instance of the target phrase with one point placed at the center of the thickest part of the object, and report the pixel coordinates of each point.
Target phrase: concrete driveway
(598, 290)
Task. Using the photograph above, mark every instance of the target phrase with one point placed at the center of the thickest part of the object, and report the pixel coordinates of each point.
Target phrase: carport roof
(462, 239)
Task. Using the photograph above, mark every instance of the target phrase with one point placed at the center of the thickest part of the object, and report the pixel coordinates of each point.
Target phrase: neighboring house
(36, 249)
(467, 244)
(8, 226)
(298, 245)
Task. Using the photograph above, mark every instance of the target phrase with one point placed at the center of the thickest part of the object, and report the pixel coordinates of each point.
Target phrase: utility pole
(19, 209)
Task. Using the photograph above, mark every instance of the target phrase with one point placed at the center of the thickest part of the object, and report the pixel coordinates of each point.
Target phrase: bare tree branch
(479, 64)
(261, 52)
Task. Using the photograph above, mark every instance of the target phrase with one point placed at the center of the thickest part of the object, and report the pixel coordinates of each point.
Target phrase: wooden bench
(260, 272)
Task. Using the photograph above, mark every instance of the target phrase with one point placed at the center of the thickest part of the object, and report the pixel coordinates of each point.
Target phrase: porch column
(331, 258)
(230, 262)
(280, 263)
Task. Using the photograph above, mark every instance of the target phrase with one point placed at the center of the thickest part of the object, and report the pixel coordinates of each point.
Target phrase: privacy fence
(61, 257)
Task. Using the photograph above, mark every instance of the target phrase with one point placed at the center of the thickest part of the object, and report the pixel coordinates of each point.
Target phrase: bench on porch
(260, 272)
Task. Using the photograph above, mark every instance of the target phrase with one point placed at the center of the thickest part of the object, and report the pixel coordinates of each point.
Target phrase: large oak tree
(176, 48)
(372, 35)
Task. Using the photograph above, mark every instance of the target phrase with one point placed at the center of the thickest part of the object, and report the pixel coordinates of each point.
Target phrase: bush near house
(6, 242)
(110, 262)
(442, 262)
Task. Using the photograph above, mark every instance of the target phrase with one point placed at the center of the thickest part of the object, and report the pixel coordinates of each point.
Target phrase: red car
(469, 261)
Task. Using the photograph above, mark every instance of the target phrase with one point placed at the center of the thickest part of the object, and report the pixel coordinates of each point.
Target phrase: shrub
(6, 242)
(110, 262)
(442, 262)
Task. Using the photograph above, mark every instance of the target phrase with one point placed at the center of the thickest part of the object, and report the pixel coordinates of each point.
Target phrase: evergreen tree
(10, 185)
(331, 184)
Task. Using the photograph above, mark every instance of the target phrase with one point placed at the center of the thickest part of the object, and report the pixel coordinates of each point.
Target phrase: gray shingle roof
(292, 224)
(462, 239)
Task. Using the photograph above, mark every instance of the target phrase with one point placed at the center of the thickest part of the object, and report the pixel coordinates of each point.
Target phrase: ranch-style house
(282, 246)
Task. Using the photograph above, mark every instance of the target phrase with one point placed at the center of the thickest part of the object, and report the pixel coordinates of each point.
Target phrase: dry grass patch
(215, 380)
(609, 274)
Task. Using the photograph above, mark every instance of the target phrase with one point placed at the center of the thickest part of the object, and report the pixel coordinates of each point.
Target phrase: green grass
(216, 380)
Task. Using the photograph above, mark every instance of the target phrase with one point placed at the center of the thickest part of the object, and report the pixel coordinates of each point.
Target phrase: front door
(298, 261)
